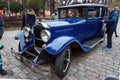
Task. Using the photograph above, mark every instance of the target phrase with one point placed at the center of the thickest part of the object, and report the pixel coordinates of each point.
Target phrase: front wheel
(19, 48)
(63, 62)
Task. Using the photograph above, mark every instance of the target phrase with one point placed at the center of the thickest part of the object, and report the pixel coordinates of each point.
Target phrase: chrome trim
(38, 50)
(97, 43)
(34, 66)
(48, 35)
(30, 53)
(45, 25)
(26, 29)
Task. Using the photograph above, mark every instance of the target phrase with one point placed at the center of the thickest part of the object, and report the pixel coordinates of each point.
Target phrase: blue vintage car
(78, 26)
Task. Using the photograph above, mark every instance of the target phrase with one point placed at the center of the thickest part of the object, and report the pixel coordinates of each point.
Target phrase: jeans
(116, 33)
(1, 30)
(109, 38)
(0, 62)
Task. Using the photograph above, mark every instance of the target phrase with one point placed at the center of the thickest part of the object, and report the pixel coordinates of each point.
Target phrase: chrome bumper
(33, 66)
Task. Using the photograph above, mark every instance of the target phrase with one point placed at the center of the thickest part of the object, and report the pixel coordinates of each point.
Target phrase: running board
(93, 42)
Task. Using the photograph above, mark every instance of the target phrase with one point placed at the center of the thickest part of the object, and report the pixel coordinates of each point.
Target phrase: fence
(12, 21)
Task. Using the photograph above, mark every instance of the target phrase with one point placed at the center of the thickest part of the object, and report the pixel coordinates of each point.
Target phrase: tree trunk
(52, 5)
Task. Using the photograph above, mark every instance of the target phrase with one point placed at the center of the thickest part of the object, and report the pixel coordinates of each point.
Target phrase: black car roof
(83, 5)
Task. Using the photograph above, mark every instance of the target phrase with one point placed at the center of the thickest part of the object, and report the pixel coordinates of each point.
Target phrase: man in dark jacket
(29, 19)
(111, 27)
(2, 71)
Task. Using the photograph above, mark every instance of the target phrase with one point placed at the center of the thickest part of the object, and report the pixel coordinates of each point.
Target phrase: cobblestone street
(93, 65)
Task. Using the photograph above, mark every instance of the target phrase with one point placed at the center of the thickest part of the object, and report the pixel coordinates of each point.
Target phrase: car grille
(37, 31)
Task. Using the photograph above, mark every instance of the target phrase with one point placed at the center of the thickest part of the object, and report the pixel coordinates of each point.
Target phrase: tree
(15, 7)
(2, 4)
(36, 5)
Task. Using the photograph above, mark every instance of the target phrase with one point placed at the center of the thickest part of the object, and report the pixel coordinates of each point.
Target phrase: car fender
(19, 35)
(23, 46)
(59, 44)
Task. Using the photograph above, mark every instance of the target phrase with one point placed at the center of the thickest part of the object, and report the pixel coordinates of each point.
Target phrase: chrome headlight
(45, 35)
(26, 31)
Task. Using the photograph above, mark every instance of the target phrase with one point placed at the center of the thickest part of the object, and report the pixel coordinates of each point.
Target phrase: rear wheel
(63, 62)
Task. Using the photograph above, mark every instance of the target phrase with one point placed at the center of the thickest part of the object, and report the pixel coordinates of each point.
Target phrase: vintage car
(78, 26)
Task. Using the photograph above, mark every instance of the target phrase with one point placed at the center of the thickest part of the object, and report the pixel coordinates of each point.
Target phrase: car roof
(83, 5)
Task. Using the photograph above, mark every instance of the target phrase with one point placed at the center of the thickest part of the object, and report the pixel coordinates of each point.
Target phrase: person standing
(111, 27)
(29, 19)
(2, 71)
(54, 16)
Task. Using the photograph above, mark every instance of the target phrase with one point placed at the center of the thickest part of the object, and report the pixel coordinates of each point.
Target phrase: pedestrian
(54, 15)
(2, 71)
(29, 18)
(70, 14)
(111, 27)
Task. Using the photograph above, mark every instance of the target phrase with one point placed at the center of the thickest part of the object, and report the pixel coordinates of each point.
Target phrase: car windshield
(73, 13)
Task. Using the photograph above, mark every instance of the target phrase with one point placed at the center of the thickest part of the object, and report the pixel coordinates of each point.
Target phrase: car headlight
(45, 35)
(26, 31)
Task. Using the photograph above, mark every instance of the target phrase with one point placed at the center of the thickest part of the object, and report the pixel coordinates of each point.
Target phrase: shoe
(106, 48)
(116, 36)
(3, 72)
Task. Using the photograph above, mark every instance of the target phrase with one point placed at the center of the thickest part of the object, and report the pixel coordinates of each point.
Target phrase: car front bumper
(36, 67)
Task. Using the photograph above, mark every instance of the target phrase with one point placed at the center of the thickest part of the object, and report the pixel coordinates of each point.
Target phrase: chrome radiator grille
(37, 35)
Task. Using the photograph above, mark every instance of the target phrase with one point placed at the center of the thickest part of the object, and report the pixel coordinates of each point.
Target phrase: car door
(92, 27)
(93, 23)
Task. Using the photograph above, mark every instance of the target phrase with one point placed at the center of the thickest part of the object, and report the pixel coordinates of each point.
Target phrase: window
(94, 12)
(81, 12)
(71, 13)
(63, 13)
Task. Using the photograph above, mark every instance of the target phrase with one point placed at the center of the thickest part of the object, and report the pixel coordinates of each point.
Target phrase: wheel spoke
(66, 60)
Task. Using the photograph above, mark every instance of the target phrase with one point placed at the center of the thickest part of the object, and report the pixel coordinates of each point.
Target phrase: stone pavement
(93, 65)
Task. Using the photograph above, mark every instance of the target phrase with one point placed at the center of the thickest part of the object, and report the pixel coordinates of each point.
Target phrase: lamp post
(8, 7)
(44, 8)
(24, 5)
(25, 10)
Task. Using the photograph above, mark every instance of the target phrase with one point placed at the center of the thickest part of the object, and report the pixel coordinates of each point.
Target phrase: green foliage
(11, 28)
(2, 4)
(36, 4)
(16, 7)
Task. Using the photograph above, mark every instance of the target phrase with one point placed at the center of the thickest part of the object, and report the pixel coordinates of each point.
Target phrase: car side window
(93, 12)
(71, 13)
(63, 13)
(100, 13)
(81, 12)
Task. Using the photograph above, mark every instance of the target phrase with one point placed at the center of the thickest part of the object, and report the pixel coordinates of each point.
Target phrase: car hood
(55, 23)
